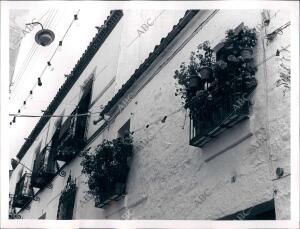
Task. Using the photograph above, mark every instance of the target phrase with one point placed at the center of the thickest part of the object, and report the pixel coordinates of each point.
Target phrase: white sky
(75, 43)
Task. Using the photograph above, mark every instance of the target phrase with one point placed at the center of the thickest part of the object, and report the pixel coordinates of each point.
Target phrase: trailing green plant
(284, 78)
(106, 168)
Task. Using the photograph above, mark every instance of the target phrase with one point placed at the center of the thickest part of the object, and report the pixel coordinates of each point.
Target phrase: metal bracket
(11, 195)
(35, 23)
(62, 173)
(36, 198)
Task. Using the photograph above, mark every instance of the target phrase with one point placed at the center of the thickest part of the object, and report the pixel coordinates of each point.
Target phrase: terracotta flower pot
(206, 74)
(232, 49)
(246, 53)
(195, 82)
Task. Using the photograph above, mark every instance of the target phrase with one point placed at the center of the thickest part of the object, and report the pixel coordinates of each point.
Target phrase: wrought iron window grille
(23, 192)
(229, 101)
(67, 200)
(45, 167)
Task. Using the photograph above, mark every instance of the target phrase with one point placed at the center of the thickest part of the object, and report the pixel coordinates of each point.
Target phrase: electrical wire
(51, 57)
(32, 52)
(48, 22)
(52, 116)
(267, 146)
(27, 60)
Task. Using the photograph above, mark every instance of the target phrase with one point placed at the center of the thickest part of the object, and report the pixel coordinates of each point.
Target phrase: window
(263, 211)
(83, 107)
(37, 151)
(23, 192)
(114, 168)
(224, 99)
(71, 137)
(67, 200)
(44, 168)
(55, 138)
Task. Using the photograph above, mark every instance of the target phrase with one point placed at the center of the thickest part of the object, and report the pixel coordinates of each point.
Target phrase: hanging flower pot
(231, 49)
(250, 83)
(246, 53)
(195, 82)
(206, 74)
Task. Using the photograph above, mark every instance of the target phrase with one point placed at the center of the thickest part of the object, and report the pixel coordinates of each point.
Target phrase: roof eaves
(189, 14)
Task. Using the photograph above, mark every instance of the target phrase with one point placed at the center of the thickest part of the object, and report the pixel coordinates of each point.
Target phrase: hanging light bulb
(24, 104)
(30, 94)
(19, 111)
(14, 119)
(39, 82)
(76, 20)
(106, 117)
(59, 48)
(10, 123)
(49, 65)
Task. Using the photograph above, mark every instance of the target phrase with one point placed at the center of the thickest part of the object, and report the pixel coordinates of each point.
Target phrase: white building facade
(126, 77)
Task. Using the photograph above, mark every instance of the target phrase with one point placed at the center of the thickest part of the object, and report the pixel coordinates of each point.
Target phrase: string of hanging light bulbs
(48, 64)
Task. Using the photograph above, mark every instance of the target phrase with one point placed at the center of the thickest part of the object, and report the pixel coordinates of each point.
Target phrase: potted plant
(106, 169)
(220, 69)
(231, 43)
(241, 43)
(197, 75)
(247, 42)
(205, 61)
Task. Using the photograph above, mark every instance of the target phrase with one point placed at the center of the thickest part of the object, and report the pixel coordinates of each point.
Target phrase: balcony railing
(222, 113)
(23, 192)
(71, 138)
(111, 192)
(44, 168)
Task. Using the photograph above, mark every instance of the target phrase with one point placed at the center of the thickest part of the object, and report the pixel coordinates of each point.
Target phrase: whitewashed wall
(167, 175)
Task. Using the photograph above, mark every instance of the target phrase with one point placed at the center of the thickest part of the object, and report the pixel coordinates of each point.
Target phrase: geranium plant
(196, 75)
(106, 169)
(241, 43)
(231, 76)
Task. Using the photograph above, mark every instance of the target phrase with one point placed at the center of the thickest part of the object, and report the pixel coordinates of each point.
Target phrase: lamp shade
(44, 37)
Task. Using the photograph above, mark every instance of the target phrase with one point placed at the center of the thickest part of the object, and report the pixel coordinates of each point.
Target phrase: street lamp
(44, 37)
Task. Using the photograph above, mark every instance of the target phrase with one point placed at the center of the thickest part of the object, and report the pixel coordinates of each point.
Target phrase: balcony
(222, 113)
(24, 192)
(71, 138)
(44, 168)
(107, 168)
